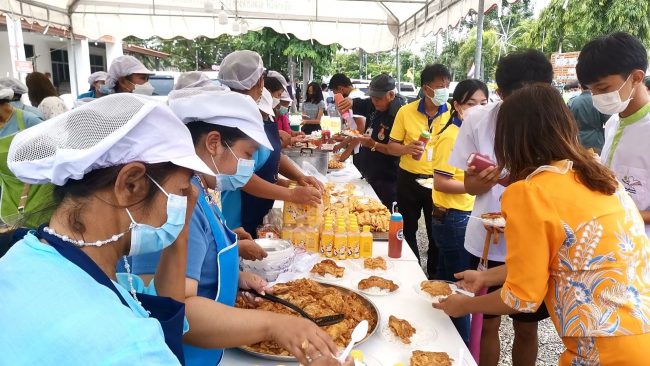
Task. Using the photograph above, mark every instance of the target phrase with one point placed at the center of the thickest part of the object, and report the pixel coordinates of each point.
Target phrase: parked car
(409, 91)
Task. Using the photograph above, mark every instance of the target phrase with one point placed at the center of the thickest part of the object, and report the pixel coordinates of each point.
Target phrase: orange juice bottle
(311, 238)
(340, 242)
(365, 242)
(327, 240)
(299, 236)
(353, 241)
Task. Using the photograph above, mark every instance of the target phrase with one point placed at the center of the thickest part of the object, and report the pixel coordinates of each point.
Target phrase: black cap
(380, 85)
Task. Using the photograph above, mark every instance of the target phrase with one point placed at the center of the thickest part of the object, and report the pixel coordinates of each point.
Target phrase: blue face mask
(232, 182)
(283, 110)
(104, 89)
(149, 239)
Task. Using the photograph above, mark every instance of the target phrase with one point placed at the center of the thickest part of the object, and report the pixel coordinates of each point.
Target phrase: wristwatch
(374, 147)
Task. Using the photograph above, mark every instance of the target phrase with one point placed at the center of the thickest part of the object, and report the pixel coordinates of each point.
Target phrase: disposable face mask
(148, 239)
(440, 96)
(276, 101)
(283, 110)
(143, 89)
(232, 182)
(611, 103)
(104, 89)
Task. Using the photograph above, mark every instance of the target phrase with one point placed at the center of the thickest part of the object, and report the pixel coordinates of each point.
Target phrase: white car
(408, 90)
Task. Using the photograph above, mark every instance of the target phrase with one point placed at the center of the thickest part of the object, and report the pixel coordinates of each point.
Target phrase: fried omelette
(401, 328)
(376, 281)
(436, 288)
(317, 300)
(421, 358)
(328, 266)
(375, 263)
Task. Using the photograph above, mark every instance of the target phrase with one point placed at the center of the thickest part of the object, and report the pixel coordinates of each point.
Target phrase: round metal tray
(363, 298)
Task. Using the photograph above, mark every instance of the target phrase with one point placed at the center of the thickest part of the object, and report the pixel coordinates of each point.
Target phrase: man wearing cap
(379, 166)
(128, 75)
(96, 80)
(243, 72)
(19, 88)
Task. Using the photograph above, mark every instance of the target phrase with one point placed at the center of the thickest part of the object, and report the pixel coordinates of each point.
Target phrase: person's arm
(461, 305)
(319, 115)
(446, 184)
(170, 274)
(396, 148)
(290, 170)
(443, 172)
(349, 149)
(473, 280)
(258, 187)
(646, 216)
(479, 183)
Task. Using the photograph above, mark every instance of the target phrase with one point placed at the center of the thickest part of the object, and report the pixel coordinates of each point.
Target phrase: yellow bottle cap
(366, 228)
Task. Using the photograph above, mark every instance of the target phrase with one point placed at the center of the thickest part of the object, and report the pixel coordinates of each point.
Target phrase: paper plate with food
(432, 358)
(327, 270)
(403, 333)
(334, 164)
(351, 133)
(378, 286)
(436, 290)
(375, 265)
(425, 182)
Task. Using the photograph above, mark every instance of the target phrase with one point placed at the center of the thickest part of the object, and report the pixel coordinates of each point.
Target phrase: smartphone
(480, 162)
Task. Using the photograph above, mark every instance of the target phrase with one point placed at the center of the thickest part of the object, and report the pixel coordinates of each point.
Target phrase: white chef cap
(220, 107)
(285, 97)
(125, 66)
(265, 103)
(277, 75)
(192, 79)
(112, 130)
(8, 94)
(14, 84)
(240, 70)
(97, 76)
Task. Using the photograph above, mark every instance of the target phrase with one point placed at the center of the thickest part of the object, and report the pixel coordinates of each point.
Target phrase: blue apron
(227, 275)
(254, 208)
(169, 312)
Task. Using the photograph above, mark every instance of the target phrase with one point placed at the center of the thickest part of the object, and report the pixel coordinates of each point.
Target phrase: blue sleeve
(231, 208)
(145, 264)
(198, 244)
(260, 156)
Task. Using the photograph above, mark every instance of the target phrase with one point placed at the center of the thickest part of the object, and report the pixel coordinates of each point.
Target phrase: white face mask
(440, 96)
(143, 89)
(611, 103)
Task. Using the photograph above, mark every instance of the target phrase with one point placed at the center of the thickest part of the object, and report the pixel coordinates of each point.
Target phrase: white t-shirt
(476, 135)
(631, 161)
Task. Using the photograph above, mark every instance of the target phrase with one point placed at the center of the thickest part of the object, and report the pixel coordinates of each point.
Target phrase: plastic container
(311, 239)
(280, 257)
(395, 234)
(365, 242)
(338, 97)
(287, 233)
(425, 136)
(299, 236)
(354, 245)
(327, 240)
(340, 243)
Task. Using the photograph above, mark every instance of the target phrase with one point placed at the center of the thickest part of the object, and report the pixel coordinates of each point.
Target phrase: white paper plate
(376, 291)
(375, 272)
(368, 361)
(436, 299)
(327, 278)
(421, 338)
(426, 183)
(460, 357)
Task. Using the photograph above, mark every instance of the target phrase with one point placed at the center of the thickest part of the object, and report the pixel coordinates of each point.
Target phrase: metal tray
(363, 298)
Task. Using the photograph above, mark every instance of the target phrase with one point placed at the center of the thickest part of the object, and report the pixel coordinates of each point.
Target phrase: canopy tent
(369, 24)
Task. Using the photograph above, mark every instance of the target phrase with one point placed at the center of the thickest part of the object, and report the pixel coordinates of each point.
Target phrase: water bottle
(395, 234)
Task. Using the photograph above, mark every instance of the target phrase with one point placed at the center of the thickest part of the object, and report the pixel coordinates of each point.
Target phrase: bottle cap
(425, 134)
(366, 228)
(395, 216)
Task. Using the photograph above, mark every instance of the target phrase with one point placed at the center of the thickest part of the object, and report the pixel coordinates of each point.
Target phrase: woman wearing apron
(226, 128)
(122, 178)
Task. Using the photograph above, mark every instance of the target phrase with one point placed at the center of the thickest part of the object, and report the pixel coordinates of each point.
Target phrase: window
(60, 70)
(29, 51)
(96, 63)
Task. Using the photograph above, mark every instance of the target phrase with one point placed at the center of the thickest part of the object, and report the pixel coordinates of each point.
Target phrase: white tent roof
(370, 24)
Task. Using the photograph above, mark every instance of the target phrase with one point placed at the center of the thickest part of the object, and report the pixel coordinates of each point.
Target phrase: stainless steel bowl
(371, 332)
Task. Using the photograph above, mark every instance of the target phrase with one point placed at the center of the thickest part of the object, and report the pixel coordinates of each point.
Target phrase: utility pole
(478, 62)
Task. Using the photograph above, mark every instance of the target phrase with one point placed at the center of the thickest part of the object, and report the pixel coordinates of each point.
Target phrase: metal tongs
(322, 321)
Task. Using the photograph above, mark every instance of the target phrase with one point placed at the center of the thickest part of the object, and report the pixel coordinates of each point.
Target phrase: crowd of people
(125, 217)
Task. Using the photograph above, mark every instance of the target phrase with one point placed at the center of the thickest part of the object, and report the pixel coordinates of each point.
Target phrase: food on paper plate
(401, 328)
(328, 267)
(335, 164)
(494, 219)
(421, 358)
(375, 263)
(352, 133)
(317, 300)
(379, 282)
(436, 288)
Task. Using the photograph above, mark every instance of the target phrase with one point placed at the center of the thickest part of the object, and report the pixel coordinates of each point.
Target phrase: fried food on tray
(421, 358)
(375, 263)
(317, 300)
(335, 164)
(328, 266)
(376, 281)
(401, 328)
(436, 288)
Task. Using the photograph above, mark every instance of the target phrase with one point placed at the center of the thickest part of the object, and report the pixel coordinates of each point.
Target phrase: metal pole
(399, 71)
(478, 69)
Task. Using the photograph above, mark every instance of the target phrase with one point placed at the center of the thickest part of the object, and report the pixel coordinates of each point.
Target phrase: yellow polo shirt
(442, 145)
(409, 123)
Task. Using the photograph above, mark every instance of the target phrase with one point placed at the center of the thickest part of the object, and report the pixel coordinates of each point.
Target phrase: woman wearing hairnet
(226, 128)
(96, 81)
(122, 178)
(128, 75)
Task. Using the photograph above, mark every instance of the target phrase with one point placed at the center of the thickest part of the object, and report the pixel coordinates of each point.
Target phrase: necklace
(81, 243)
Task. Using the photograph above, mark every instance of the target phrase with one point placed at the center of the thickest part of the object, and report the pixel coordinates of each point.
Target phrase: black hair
(520, 68)
(338, 80)
(317, 95)
(462, 94)
(618, 53)
(229, 135)
(272, 84)
(571, 85)
(323, 86)
(16, 97)
(99, 179)
(432, 72)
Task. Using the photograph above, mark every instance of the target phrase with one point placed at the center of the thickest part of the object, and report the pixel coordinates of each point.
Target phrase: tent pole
(478, 69)
(397, 64)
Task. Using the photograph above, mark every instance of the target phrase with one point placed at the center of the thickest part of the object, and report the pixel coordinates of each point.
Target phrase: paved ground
(550, 345)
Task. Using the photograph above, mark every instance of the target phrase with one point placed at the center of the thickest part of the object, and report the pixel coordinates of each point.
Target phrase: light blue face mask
(283, 110)
(232, 182)
(104, 89)
(148, 239)
(440, 96)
